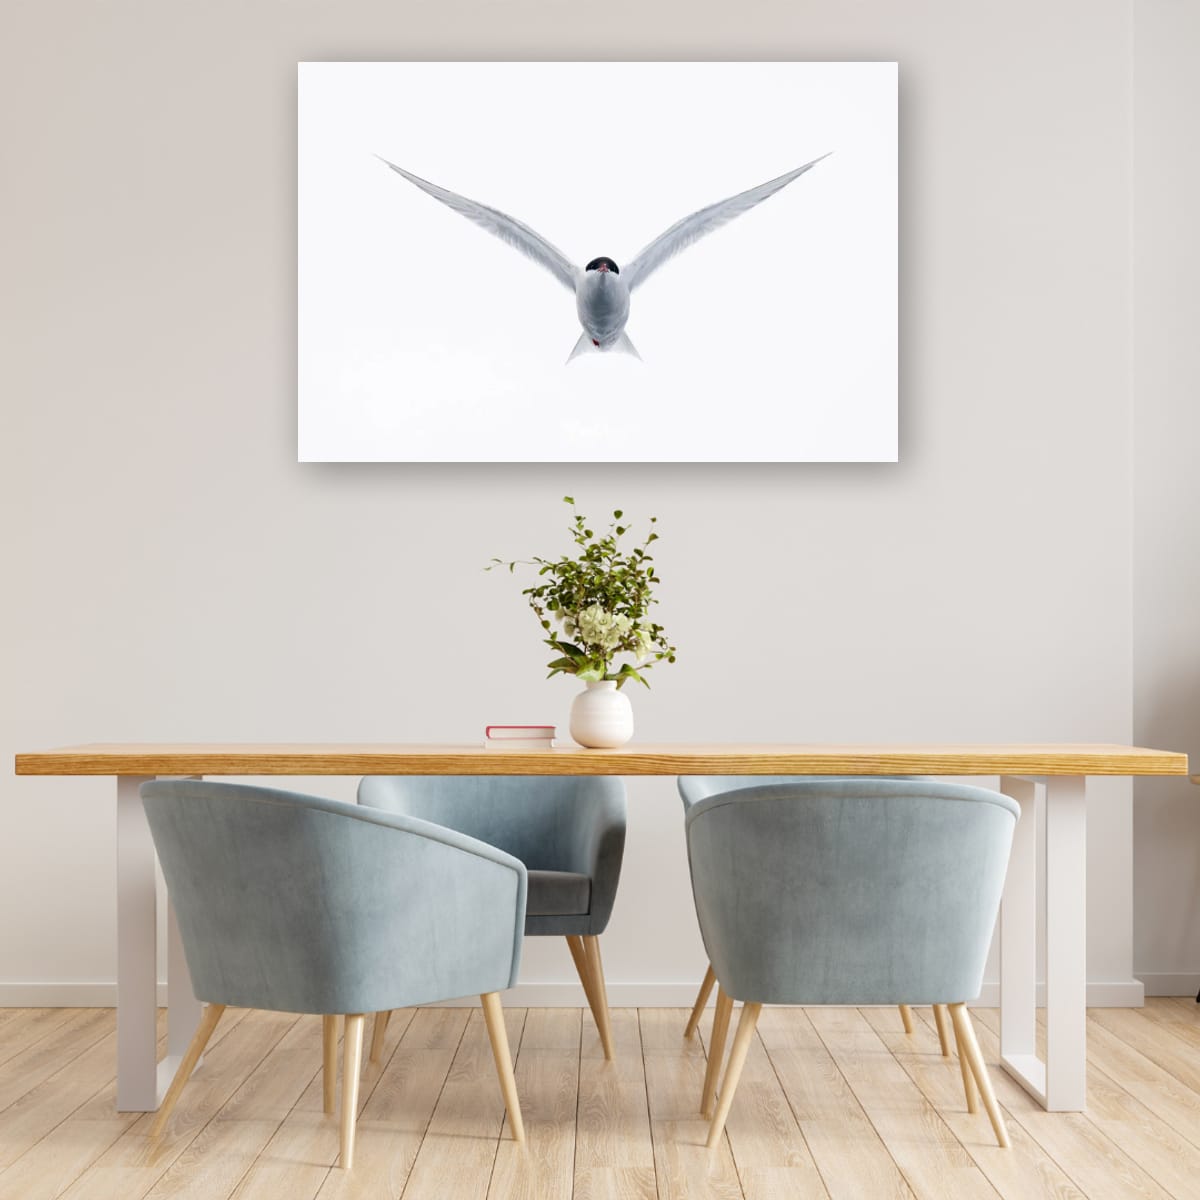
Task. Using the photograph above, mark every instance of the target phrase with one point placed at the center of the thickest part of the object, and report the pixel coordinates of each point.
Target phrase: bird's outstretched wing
(691, 229)
(508, 229)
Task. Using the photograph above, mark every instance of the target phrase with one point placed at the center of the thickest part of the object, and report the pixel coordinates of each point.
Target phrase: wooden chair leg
(583, 968)
(204, 1031)
(965, 1032)
(906, 1018)
(716, 1050)
(702, 996)
(352, 1045)
(733, 1073)
(968, 1077)
(579, 957)
(378, 1033)
(942, 1017)
(493, 1015)
(596, 969)
(329, 1060)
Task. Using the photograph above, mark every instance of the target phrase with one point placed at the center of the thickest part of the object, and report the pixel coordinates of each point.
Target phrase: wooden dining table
(1058, 771)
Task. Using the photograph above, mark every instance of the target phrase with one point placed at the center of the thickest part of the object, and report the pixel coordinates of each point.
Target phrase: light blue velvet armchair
(569, 831)
(299, 904)
(693, 789)
(850, 891)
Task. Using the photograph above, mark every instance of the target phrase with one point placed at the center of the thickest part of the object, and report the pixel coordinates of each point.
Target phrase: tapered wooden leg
(716, 1050)
(968, 1077)
(352, 1044)
(583, 967)
(377, 1035)
(906, 1018)
(493, 1015)
(967, 1044)
(208, 1023)
(943, 1027)
(591, 944)
(579, 957)
(705, 991)
(329, 1060)
(733, 1072)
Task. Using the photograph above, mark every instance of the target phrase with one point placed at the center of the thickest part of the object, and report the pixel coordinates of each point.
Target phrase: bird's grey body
(602, 303)
(602, 289)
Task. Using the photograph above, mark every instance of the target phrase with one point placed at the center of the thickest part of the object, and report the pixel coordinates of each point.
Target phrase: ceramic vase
(601, 716)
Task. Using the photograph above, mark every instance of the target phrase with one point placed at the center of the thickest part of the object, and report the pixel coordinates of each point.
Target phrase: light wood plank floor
(833, 1103)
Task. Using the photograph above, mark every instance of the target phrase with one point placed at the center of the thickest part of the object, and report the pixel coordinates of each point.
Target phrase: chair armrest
(493, 898)
(600, 846)
(430, 830)
(482, 880)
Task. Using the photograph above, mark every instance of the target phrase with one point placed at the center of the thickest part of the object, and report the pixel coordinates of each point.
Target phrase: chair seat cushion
(558, 894)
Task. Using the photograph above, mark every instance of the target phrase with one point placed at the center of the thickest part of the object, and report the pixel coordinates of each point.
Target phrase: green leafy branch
(600, 602)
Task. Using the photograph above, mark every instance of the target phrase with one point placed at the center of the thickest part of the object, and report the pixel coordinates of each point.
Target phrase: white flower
(645, 645)
(602, 629)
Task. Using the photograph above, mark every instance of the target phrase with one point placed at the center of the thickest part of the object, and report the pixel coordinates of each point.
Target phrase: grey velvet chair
(299, 904)
(850, 891)
(569, 831)
(694, 788)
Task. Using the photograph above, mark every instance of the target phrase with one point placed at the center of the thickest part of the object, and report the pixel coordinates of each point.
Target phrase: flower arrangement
(601, 601)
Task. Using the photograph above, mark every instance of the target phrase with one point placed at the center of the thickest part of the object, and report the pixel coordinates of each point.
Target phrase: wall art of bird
(602, 289)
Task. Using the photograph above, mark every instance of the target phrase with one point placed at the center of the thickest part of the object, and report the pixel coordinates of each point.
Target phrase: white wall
(172, 573)
(1166, 201)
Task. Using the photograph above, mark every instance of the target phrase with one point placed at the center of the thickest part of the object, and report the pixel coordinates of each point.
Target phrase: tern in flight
(602, 288)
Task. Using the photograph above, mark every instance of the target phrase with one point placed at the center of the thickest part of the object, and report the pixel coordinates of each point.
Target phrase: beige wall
(171, 572)
(1166, 200)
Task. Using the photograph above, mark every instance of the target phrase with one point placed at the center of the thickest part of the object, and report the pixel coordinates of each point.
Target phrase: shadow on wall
(1166, 825)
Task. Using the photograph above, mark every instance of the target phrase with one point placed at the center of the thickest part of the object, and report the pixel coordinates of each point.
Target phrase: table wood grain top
(632, 759)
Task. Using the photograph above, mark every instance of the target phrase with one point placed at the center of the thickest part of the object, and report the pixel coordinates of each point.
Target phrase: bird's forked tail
(586, 345)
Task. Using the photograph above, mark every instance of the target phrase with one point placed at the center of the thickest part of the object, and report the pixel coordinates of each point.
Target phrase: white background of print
(423, 338)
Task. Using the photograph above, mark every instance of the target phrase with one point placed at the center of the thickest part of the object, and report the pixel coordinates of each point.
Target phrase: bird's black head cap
(607, 263)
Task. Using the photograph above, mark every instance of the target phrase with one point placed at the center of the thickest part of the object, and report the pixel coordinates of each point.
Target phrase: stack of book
(519, 737)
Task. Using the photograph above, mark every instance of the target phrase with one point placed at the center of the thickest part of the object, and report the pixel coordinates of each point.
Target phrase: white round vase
(601, 716)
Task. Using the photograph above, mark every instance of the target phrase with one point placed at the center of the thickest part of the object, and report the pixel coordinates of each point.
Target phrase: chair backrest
(302, 904)
(852, 891)
(694, 788)
(549, 822)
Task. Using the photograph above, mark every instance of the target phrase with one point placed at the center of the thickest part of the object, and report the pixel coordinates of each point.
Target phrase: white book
(513, 743)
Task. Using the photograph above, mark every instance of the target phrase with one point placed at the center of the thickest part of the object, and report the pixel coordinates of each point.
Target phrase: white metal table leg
(1066, 944)
(141, 1079)
(1059, 1083)
(137, 983)
(1018, 946)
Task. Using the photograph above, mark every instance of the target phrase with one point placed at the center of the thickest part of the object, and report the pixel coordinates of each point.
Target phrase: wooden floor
(833, 1103)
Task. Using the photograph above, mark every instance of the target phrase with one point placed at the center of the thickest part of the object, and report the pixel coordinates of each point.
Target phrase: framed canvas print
(597, 262)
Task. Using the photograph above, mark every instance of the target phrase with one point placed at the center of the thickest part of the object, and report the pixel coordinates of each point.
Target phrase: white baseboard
(567, 994)
(1100, 994)
(64, 995)
(1187, 984)
(620, 995)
